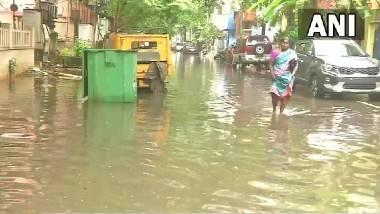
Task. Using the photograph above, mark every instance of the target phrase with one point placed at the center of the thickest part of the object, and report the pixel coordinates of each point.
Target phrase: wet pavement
(210, 145)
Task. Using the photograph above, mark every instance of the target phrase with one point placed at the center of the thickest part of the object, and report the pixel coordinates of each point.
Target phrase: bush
(66, 52)
(292, 34)
(80, 46)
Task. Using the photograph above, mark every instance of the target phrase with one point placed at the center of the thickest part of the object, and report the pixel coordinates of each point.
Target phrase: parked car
(179, 46)
(190, 48)
(337, 66)
(254, 50)
(221, 54)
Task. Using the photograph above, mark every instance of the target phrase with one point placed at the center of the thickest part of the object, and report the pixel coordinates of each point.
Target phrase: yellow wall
(369, 34)
(66, 32)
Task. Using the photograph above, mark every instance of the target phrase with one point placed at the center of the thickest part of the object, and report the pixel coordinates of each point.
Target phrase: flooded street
(210, 145)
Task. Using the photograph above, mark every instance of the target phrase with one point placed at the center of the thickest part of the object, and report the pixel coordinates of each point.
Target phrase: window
(338, 48)
(261, 38)
(143, 45)
(304, 48)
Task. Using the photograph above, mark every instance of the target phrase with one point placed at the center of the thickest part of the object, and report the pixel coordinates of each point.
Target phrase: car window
(260, 38)
(304, 48)
(252, 40)
(144, 45)
(338, 48)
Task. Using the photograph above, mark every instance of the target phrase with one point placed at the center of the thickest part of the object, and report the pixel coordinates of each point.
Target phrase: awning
(249, 16)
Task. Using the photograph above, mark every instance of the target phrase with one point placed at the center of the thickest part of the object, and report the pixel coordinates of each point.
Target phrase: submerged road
(210, 145)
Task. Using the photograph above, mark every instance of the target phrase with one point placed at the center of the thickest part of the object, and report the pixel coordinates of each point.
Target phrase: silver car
(337, 66)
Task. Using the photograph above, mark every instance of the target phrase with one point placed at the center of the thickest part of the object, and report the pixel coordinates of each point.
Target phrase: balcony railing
(16, 39)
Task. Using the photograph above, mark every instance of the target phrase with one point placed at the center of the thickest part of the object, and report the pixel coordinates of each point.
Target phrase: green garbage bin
(110, 75)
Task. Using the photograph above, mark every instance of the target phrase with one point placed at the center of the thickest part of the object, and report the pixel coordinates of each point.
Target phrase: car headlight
(329, 69)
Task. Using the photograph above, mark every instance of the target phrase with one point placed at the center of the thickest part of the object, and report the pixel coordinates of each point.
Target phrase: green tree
(274, 10)
(175, 16)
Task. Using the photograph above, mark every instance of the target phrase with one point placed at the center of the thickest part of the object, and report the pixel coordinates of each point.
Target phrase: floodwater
(210, 145)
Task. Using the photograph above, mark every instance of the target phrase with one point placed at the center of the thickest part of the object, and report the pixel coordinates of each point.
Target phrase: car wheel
(338, 96)
(315, 88)
(374, 97)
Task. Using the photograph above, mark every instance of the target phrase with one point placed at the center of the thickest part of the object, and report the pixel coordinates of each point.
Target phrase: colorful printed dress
(282, 84)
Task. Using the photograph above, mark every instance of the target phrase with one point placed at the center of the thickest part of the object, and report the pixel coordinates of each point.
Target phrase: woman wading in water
(283, 68)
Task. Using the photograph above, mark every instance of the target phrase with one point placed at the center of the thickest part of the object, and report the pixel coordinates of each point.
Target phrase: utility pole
(14, 8)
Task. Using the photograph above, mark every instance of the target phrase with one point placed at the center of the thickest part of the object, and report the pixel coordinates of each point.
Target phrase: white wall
(221, 20)
(101, 28)
(5, 17)
(63, 21)
(86, 32)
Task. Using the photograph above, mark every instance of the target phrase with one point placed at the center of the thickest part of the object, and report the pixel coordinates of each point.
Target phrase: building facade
(80, 19)
(16, 41)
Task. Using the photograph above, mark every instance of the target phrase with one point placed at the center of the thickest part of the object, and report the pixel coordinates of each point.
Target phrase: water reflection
(210, 144)
(27, 116)
(153, 129)
(108, 123)
(278, 140)
(11, 83)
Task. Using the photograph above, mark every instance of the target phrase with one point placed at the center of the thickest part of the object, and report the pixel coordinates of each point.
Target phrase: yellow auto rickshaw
(154, 61)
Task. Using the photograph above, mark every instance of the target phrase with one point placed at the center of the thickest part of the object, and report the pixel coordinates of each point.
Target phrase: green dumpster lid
(118, 50)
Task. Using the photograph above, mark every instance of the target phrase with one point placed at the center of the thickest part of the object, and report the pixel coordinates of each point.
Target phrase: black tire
(315, 88)
(374, 97)
(337, 96)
